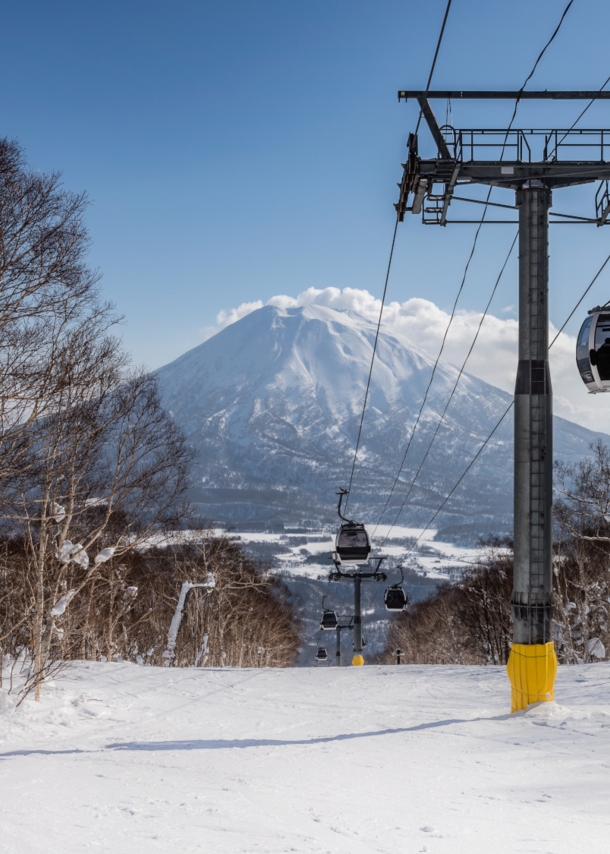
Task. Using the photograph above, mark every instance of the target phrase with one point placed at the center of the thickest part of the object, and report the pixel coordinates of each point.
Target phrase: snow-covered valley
(131, 760)
(303, 561)
(308, 553)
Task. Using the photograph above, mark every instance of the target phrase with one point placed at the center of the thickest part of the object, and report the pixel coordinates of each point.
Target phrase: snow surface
(375, 760)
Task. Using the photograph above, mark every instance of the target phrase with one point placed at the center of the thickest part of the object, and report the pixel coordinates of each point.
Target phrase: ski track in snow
(375, 760)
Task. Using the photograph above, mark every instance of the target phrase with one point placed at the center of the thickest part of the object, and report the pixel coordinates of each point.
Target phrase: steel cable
(432, 375)
(480, 224)
(575, 122)
(368, 382)
(595, 278)
(455, 385)
(385, 288)
(433, 66)
(501, 419)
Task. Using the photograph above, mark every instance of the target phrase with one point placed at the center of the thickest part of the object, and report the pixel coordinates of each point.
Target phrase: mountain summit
(272, 405)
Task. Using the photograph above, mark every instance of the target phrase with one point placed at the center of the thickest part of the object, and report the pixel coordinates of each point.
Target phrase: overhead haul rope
(433, 66)
(444, 412)
(595, 277)
(476, 237)
(575, 122)
(368, 382)
(432, 375)
(502, 417)
(540, 55)
(387, 277)
(455, 385)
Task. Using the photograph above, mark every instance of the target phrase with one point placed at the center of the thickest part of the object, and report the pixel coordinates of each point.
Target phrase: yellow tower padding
(531, 669)
(358, 660)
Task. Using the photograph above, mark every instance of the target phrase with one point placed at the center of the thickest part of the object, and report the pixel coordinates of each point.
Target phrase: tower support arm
(513, 174)
(494, 95)
(430, 118)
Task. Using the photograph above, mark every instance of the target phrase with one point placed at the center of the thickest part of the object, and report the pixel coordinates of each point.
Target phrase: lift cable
(500, 420)
(368, 382)
(595, 277)
(476, 237)
(575, 122)
(463, 475)
(432, 375)
(535, 66)
(385, 287)
(433, 66)
(455, 385)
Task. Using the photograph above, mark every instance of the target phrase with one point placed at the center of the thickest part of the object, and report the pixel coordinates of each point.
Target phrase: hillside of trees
(470, 622)
(93, 472)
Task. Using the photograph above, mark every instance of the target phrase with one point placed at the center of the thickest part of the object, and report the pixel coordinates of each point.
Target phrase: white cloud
(494, 358)
(226, 318)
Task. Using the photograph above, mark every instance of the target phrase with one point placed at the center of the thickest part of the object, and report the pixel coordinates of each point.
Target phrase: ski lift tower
(533, 163)
(357, 576)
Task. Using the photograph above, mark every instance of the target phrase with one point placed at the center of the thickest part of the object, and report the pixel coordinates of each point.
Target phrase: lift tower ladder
(533, 163)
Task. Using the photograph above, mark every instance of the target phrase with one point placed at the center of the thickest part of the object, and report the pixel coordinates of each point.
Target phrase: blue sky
(236, 150)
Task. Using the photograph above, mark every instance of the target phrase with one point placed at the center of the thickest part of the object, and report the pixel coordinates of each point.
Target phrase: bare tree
(45, 289)
(92, 470)
(464, 623)
(125, 611)
(105, 469)
(582, 557)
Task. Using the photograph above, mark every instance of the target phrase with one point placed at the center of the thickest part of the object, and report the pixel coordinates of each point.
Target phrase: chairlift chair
(593, 350)
(329, 621)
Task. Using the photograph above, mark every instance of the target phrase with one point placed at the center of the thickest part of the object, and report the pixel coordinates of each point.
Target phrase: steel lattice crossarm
(506, 158)
(495, 95)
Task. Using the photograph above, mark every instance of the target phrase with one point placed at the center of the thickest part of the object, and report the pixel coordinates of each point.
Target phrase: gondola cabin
(395, 598)
(593, 350)
(352, 545)
(329, 621)
(321, 655)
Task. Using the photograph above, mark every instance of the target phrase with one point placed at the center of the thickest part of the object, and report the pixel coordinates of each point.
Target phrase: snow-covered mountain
(273, 402)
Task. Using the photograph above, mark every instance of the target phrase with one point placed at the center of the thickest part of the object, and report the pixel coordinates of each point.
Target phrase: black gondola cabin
(395, 598)
(593, 350)
(329, 621)
(352, 544)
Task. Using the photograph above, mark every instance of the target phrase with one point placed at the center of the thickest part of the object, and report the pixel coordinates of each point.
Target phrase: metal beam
(512, 174)
(357, 617)
(405, 94)
(434, 128)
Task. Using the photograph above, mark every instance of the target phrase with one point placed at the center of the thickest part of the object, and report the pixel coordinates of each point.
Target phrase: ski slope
(376, 760)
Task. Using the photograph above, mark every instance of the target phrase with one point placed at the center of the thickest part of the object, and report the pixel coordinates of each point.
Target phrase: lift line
(507, 158)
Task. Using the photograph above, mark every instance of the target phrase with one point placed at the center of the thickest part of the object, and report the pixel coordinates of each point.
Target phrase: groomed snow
(120, 758)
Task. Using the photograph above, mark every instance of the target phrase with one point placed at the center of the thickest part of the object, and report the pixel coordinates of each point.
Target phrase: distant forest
(469, 622)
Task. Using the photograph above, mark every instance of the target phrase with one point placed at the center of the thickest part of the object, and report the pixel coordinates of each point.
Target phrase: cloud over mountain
(494, 358)
(272, 405)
